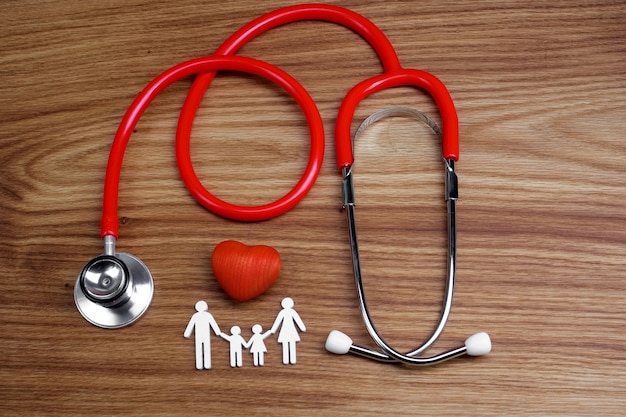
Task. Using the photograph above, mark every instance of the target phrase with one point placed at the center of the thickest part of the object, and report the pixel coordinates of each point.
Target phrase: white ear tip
(478, 344)
(338, 342)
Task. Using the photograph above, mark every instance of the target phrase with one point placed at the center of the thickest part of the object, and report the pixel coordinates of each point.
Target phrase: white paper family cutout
(203, 323)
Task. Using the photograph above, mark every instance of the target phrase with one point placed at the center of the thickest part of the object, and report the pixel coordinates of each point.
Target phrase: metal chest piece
(113, 290)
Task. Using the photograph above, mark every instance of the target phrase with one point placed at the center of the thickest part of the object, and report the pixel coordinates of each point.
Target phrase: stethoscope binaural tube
(337, 342)
(401, 77)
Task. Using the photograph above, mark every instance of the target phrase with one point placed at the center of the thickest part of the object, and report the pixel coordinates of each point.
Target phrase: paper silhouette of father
(203, 322)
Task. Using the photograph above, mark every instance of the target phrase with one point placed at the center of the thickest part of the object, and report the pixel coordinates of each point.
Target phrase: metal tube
(389, 354)
(109, 245)
(431, 360)
(451, 195)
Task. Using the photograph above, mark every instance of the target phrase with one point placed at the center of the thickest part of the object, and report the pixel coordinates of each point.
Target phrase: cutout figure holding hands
(288, 335)
(257, 345)
(203, 322)
(237, 343)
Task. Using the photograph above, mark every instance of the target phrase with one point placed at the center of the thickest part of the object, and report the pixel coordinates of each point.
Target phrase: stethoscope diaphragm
(112, 291)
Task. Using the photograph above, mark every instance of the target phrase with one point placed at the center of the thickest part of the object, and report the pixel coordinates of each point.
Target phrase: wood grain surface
(540, 89)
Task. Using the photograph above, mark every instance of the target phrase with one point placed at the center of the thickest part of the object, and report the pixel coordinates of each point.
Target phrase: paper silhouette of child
(257, 345)
(237, 343)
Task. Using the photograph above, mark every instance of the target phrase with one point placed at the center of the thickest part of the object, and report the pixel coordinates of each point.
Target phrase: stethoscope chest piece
(113, 291)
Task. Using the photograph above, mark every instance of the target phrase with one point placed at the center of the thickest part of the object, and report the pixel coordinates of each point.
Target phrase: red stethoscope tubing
(109, 222)
(321, 12)
(206, 68)
(394, 75)
(402, 77)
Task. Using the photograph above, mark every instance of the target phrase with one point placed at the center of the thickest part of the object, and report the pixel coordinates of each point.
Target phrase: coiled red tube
(109, 222)
(322, 12)
(394, 75)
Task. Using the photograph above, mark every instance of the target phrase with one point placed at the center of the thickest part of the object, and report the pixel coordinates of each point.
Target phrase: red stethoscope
(115, 289)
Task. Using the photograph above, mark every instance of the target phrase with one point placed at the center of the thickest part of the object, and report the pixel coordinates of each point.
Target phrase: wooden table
(540, 89)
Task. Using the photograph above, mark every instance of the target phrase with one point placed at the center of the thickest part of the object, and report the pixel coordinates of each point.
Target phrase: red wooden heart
(243, 271)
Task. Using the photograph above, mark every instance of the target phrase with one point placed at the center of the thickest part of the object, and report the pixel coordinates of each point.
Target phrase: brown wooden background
(540, 88)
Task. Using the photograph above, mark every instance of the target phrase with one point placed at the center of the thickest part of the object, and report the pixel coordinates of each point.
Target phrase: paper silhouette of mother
(289, 322)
